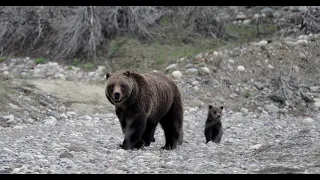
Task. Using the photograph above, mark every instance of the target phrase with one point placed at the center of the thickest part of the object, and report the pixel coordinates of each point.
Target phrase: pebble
(205, 70)
(177, 74)
(172, 66)
(66, 155)
(192, 70)
(271, 108)
(307, 121)
(50, 121)
(240, 68)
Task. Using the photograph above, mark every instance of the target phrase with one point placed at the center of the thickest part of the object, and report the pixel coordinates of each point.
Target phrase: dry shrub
(65, 32)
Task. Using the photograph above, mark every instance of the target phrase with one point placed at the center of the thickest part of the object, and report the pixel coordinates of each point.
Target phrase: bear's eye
(214, 112)
(122, 86)
(111, 86)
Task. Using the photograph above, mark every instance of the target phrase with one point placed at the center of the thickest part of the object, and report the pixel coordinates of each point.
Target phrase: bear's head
(119, 87)
(215, 112)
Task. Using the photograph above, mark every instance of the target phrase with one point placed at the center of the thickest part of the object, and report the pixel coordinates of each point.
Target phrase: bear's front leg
(208, 134)
(133, 136)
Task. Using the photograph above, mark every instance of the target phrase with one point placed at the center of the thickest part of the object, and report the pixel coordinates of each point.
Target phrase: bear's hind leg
(172, 125)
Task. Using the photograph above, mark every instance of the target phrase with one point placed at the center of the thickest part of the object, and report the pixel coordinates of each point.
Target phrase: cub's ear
(108, 75)
(210, 106)
(127, 73)
(221, 107)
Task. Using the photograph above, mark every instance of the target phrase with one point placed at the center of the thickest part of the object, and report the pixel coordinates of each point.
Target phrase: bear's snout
(116, 96)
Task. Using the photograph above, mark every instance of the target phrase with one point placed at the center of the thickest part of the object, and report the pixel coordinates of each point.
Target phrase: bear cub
(213, 126)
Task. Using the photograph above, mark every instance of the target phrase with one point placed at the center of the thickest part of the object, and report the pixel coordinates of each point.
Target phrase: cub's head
(119, 86)
(215, 112)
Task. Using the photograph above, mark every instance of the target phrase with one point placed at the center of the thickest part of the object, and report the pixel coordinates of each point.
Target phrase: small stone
(17, 127)
(195, 83)
(241, 16)
(172, 66)
(30, 120)
(66, 155)
(255, 147)
(43, 103)
(247, 21)
(55, 114)
(231, 61)
(261, 43)
(271, 108)
(314, 88)
(303, 37)
(240, 68)
(62, 109)
(302, 42)
(15, 107)
(244, 110)
(177, 74)
(205, 70)
(50, 121)
(267, 10)
(71, 114)
(9, 117)
(260, 109)
(270, 66)
(317, 104)
(6, 73)
(77, 148)
(307, 121)
(9, 151)
(302, 8)
(27, 156)
(283, 110)
(258, 85)
(196, 88)
(215, 53)
(192, 70)
(296, 68)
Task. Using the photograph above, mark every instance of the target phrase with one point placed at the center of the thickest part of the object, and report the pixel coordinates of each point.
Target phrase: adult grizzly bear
(141, 102)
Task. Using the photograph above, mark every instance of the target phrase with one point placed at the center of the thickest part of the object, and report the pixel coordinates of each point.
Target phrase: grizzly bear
(213, 126)
(141, 102)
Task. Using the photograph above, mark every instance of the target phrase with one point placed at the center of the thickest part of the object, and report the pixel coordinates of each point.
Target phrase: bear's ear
(221, 107)
(210, 106)
(108, 75)
(127, 73)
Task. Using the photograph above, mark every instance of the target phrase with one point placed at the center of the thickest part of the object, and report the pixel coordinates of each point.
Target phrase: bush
(66, 32)
(40, 60)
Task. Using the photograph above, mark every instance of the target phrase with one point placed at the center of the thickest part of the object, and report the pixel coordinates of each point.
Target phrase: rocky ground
(56, 119)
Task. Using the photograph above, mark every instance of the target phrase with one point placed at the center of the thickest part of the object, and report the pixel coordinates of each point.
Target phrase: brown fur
(213, 126)
(144, 101)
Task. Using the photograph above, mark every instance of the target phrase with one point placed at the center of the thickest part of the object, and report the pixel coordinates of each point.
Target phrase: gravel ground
(252, 143)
